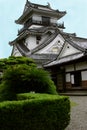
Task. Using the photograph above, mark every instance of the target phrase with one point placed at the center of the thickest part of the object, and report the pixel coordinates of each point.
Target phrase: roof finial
(27, 1)
(48, 4)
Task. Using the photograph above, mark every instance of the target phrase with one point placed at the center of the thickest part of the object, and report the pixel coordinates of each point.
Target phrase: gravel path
(78, 113)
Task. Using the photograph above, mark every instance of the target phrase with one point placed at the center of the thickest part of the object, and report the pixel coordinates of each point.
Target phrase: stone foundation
(68, 85)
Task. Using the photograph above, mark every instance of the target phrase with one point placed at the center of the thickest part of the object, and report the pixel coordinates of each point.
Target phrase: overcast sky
(10, 10)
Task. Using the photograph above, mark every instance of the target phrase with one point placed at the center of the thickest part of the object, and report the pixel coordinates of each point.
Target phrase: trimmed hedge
(40, 113)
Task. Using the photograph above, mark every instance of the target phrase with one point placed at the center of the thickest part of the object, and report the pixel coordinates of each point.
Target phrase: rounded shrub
(23, 79)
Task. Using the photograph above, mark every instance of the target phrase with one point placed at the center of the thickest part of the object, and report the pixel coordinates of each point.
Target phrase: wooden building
(69, 70)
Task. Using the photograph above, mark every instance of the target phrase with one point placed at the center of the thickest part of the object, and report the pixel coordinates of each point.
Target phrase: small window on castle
(67, 46)
(49, 32)
(38, 38)
(37, 42)
(58, 41)
(45, 20)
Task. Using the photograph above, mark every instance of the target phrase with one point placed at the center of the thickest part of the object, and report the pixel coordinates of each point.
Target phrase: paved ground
(78, 113)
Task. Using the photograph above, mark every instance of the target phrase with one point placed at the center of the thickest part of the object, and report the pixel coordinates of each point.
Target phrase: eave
(23, 35)
(23, 17)
(67, 60)
(26, 32)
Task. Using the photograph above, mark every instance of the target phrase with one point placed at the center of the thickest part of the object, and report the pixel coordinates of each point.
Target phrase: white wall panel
(84, 75)
(67, 77)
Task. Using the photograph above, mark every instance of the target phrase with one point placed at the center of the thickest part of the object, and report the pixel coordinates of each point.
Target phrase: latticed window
(45, 20)
(38, 38)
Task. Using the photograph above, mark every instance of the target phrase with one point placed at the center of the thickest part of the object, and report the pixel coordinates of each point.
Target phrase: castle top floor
(37, 11)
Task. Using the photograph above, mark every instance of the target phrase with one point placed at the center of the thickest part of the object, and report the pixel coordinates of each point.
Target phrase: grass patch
(33, 96)
(73, 104)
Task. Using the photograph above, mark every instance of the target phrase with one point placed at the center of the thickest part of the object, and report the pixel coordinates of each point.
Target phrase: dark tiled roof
(76, 42)
(44, 56)
(33, 5)
(36, 31)
(23, 49)
(65, 59)
(81, 42)
(39, 8)
(40, 30)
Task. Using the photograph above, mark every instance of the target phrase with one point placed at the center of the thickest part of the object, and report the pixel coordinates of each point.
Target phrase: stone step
(74, 93)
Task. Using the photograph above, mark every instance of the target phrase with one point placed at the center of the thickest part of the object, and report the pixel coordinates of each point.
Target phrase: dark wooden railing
(30, 22)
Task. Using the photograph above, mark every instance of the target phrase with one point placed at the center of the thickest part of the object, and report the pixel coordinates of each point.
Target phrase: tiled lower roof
(81, 42)
(44, 56)
(65, 59)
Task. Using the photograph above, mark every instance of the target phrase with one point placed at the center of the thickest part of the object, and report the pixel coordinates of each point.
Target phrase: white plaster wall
(36, 17)
(61, 38)
(72, 79)
(68, 50)
(81, 66)
(53, 20)
(35, 26)
(31, 42)
(69, 68)
(47, 49)
(84, 75)
(43, 38)
(67, 77)
(16, 52)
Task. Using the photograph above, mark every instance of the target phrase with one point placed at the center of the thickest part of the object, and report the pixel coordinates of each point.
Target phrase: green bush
(23, 79)
(11, 61)
(6, 92)
(40, 113)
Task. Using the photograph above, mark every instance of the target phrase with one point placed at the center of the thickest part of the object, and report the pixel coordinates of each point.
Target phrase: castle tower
(39, 38)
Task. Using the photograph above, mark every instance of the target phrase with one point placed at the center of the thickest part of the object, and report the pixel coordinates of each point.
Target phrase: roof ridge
(28, 3)
(80, 38)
